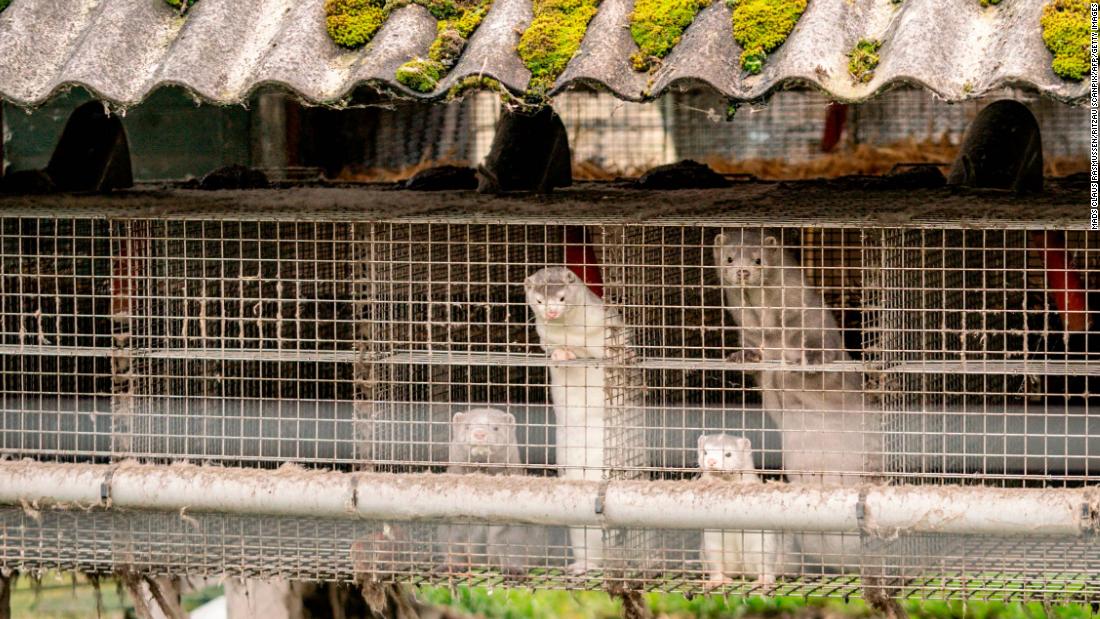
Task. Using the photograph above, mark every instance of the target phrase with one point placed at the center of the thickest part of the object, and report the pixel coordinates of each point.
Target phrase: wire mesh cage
(594, 351)
(794, 134)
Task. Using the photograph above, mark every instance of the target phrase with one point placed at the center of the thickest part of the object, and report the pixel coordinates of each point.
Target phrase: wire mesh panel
(716, 353)
(241, 337)
(58, 336)
(793, 134)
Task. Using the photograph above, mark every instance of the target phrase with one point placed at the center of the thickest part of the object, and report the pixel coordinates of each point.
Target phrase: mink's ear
(529, 282)
(771, 241)
(744, 444)
(570, 276)
(509, 418)
(459, 419)
(702, 440)
(720, 240)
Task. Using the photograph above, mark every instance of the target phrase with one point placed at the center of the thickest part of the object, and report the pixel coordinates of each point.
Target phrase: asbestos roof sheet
(222, 50)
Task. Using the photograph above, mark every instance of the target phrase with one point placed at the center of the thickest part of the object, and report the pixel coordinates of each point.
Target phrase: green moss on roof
(352, 23)
(761, 26)
(4, 4)
(457, 21)
(657, 25)
(554, 36)
(1066, 33)
(420, 74)
(474, 83)
(863, 59)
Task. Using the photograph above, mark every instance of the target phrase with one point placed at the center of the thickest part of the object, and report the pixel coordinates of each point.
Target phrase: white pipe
(535, 500)
(44, 484)
(292, 491)
(711, 504)
(287, 491)
(970, 509)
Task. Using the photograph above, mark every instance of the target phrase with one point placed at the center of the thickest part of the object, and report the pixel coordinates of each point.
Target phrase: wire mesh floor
(195, 544)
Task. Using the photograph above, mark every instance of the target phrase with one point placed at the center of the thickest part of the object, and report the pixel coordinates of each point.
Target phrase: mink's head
(553, 292)
(725, 453)
(483, 436)
(742, 254)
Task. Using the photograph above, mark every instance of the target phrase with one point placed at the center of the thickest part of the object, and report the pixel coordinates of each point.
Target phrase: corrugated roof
(224, 49)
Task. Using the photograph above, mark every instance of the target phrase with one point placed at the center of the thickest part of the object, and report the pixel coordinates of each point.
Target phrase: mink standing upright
(573, 323)
(829, 433)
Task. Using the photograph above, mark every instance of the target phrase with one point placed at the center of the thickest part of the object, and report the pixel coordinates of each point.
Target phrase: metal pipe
(700, 504)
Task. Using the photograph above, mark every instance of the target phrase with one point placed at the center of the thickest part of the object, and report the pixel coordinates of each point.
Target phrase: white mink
(827, 429)
(782, 317)
(572, 323)
(757, 554)
(483, 440)
(570, 319)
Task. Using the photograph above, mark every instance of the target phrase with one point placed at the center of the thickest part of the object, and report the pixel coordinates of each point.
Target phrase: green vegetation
(547, 604)
(457, 21)
(1066, 34)
(554, 36)
(62, 596)
(863, 59)
(657, 25)
(352, 23)
(67, 596)
(525, 604)
(420, 74)
(475, 82)
(990, 2)
(761, 26)
(4, 4)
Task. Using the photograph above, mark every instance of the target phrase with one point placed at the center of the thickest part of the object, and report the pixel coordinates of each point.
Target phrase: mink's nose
(711, 463)
(552, 313)
(479, 435)
(743, 274)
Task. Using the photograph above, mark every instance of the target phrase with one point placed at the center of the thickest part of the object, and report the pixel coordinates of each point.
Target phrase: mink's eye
(539, 301)
(729, 259)
(729, 454)
(495, 429)
(561, 298)
(757, 261)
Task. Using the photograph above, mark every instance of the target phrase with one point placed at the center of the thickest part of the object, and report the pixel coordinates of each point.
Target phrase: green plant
(1066, 34)
(4, 4)
(475, 82)
(457, 21)
(552, 39)
(420, 74)
(352, 23)
(990, 2)
(657, 26)
(761, 26)
(863, 59)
